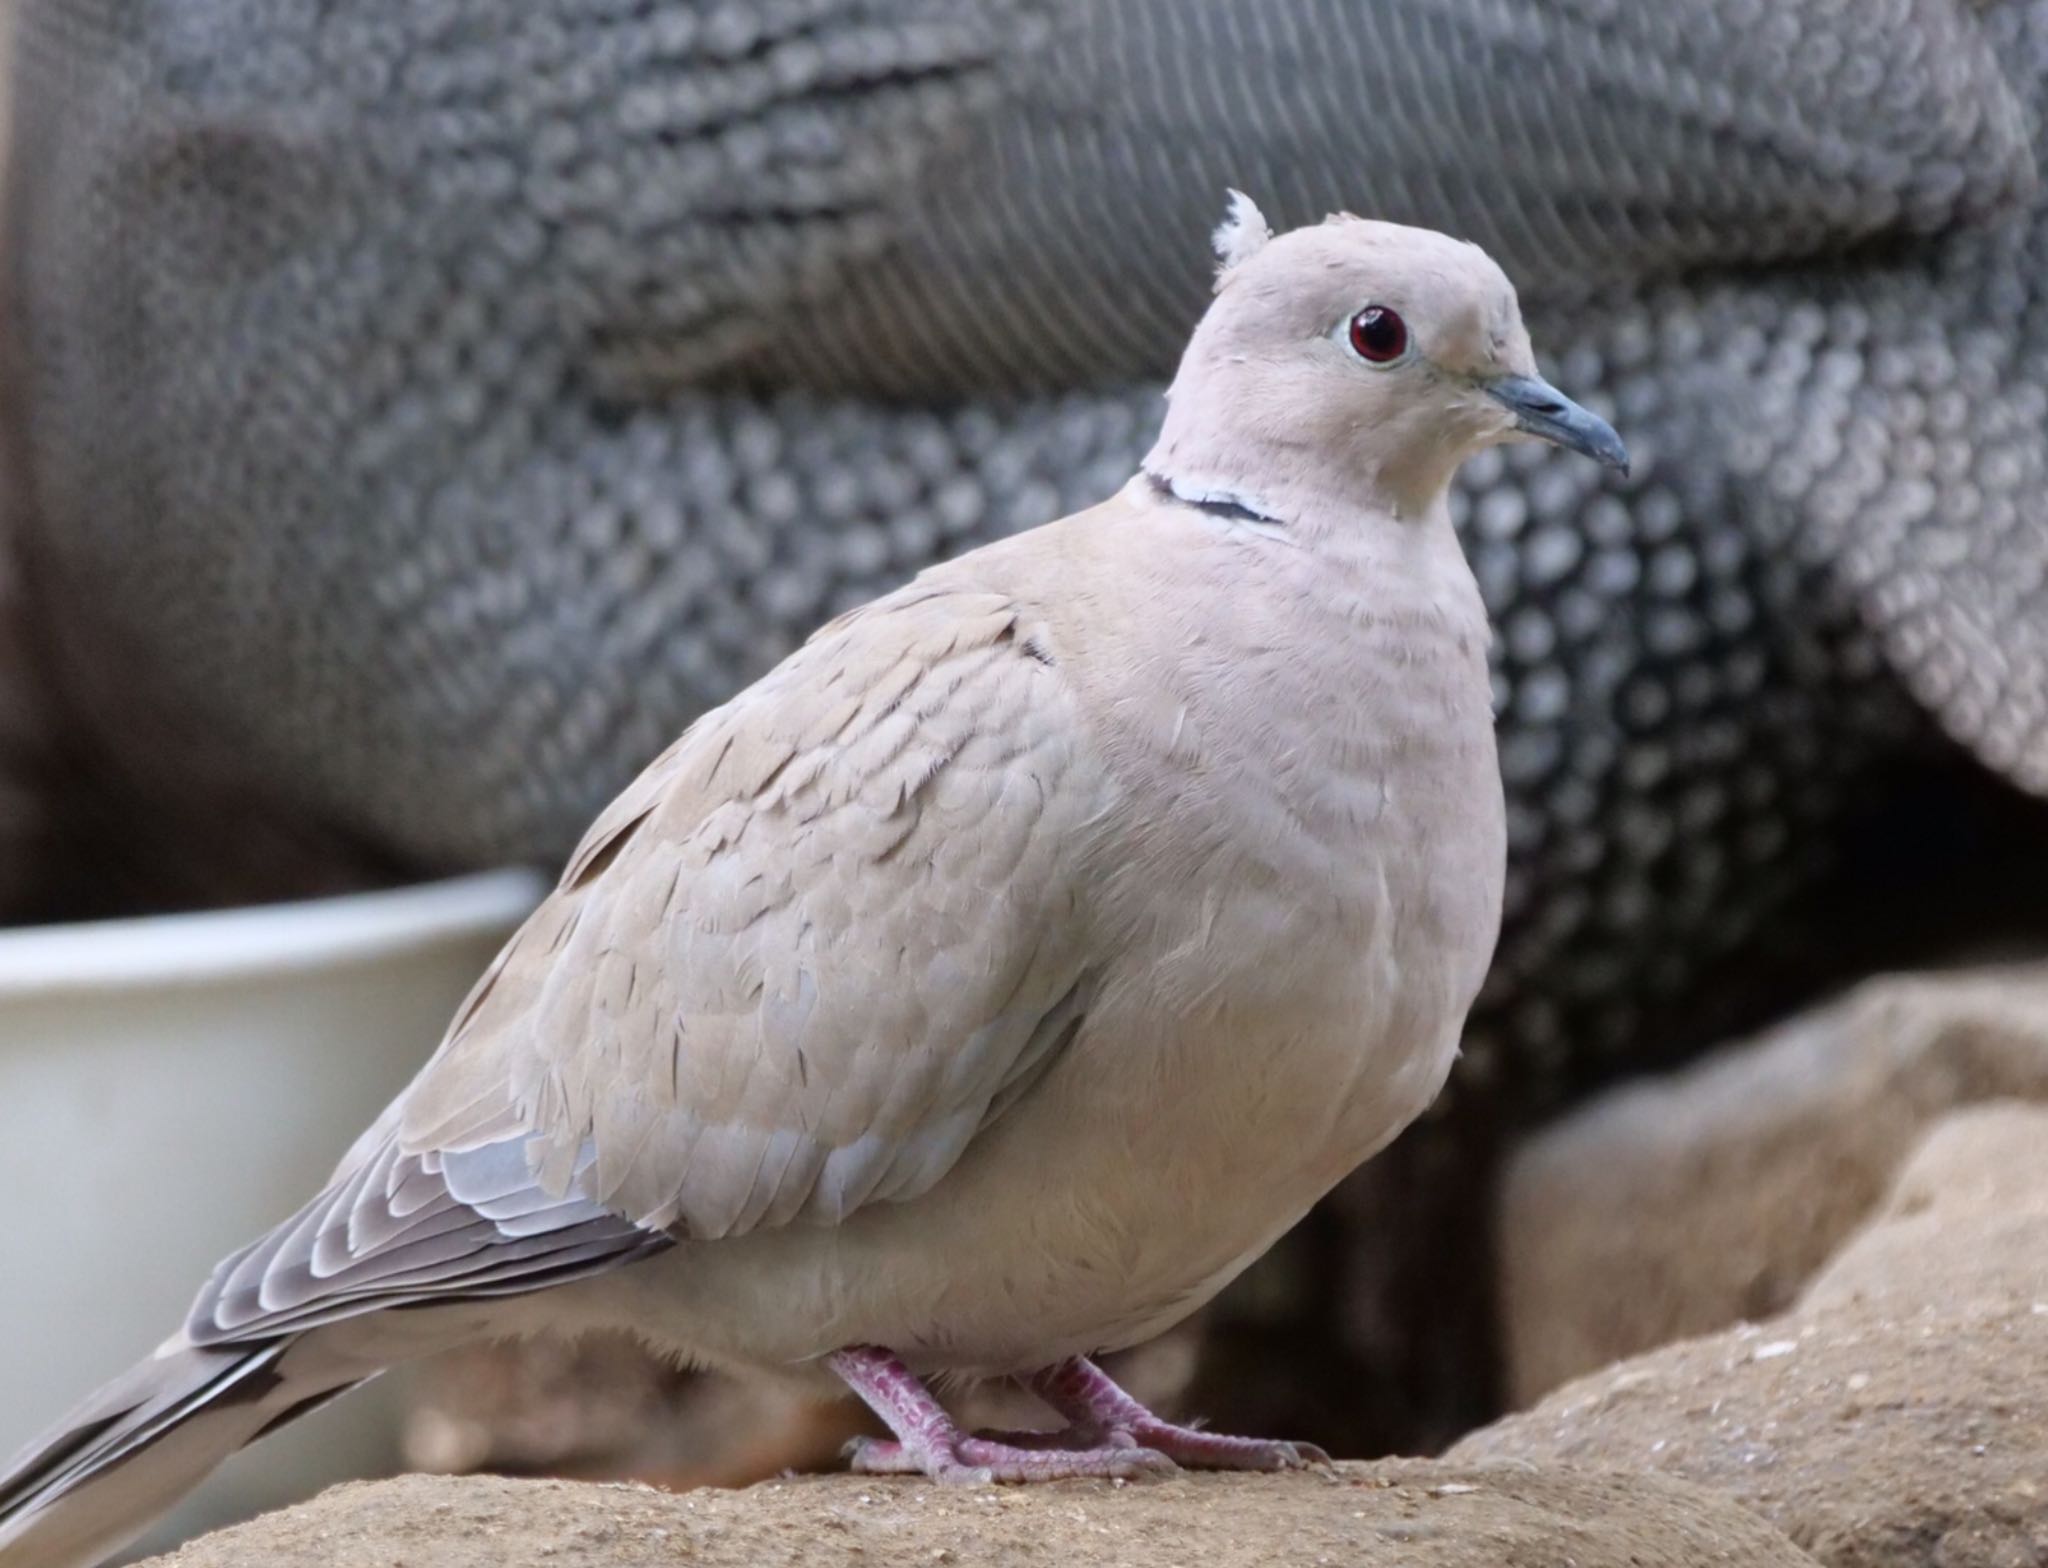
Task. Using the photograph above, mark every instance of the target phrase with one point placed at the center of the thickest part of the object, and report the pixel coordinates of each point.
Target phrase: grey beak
(1548, 414)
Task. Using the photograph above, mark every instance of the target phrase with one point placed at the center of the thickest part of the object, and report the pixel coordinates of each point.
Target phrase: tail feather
(102, 1475)
(301, 1315)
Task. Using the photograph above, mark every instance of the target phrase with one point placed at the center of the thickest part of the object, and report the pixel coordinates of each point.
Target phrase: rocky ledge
(1410, 1514)
(1897, 1417)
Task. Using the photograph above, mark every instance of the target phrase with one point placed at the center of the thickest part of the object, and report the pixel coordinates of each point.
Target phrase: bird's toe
(1200, 1450)
(1112, 1460)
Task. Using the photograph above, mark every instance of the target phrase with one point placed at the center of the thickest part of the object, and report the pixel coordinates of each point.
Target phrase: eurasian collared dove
(990, 983)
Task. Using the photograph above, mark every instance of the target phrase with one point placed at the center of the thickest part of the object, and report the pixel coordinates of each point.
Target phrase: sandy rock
(1416, 1515)
(1966, 1225)
(1713, 1195)
(1898, 1418)
(1872, 1442)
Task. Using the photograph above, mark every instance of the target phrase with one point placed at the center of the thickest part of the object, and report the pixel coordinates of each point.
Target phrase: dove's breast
(1297, 896)
(1316, 790)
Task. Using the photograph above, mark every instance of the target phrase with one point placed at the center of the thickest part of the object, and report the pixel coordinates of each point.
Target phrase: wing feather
(793, 969)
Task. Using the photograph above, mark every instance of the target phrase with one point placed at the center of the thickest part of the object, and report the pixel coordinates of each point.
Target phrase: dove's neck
(1282, 480)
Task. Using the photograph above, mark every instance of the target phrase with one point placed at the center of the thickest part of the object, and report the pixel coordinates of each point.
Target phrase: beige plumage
(991, 982)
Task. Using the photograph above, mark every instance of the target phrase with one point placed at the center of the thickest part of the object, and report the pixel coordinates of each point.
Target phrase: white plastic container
(172, 1086)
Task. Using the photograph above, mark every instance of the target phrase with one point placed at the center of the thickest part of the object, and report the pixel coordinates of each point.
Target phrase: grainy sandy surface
(1410, 1514)
(1898, 1418)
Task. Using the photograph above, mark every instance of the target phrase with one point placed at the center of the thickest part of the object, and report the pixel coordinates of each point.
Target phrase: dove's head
(1360, 361)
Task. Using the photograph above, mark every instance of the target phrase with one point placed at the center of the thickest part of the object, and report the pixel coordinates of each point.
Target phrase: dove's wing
(818, 944)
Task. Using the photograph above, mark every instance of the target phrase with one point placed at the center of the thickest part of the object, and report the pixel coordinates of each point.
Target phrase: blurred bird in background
(419, 410)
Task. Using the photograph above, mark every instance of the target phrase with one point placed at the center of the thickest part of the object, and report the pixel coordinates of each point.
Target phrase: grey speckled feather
(990, 983)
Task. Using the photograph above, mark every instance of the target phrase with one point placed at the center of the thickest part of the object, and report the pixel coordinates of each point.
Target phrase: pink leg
(1082, 1392)
(928, 1442)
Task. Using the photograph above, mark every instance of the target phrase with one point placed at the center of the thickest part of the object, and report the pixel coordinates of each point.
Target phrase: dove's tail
(97, 1479)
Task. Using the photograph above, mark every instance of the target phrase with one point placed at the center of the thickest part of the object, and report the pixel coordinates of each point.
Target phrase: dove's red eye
(1378, 335)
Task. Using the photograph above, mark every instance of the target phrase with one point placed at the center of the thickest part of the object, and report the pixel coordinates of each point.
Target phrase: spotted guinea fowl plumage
(408, 379)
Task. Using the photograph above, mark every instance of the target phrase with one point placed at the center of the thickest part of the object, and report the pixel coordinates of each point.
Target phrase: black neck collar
(1216, 503)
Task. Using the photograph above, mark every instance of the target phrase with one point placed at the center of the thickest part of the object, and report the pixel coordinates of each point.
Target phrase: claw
(878, 1456)
(1081, 1392)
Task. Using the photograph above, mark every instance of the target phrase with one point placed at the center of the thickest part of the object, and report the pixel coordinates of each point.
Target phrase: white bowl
(169, 1088)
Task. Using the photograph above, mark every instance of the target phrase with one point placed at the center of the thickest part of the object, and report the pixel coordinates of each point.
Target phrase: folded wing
(795, 967)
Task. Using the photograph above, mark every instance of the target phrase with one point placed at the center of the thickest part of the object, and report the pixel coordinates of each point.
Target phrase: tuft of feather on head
(1240, 236)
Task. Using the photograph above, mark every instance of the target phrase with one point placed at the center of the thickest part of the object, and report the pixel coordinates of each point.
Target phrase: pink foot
(976, 1461)
(1111, 1435)
(1083, 1393)
(928, 1443)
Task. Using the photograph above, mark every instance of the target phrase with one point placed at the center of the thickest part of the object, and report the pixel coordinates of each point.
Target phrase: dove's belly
(1104, 1208)
(1208, 1101)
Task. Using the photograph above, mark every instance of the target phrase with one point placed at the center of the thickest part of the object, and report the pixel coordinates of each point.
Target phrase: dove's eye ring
(1378, 335)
